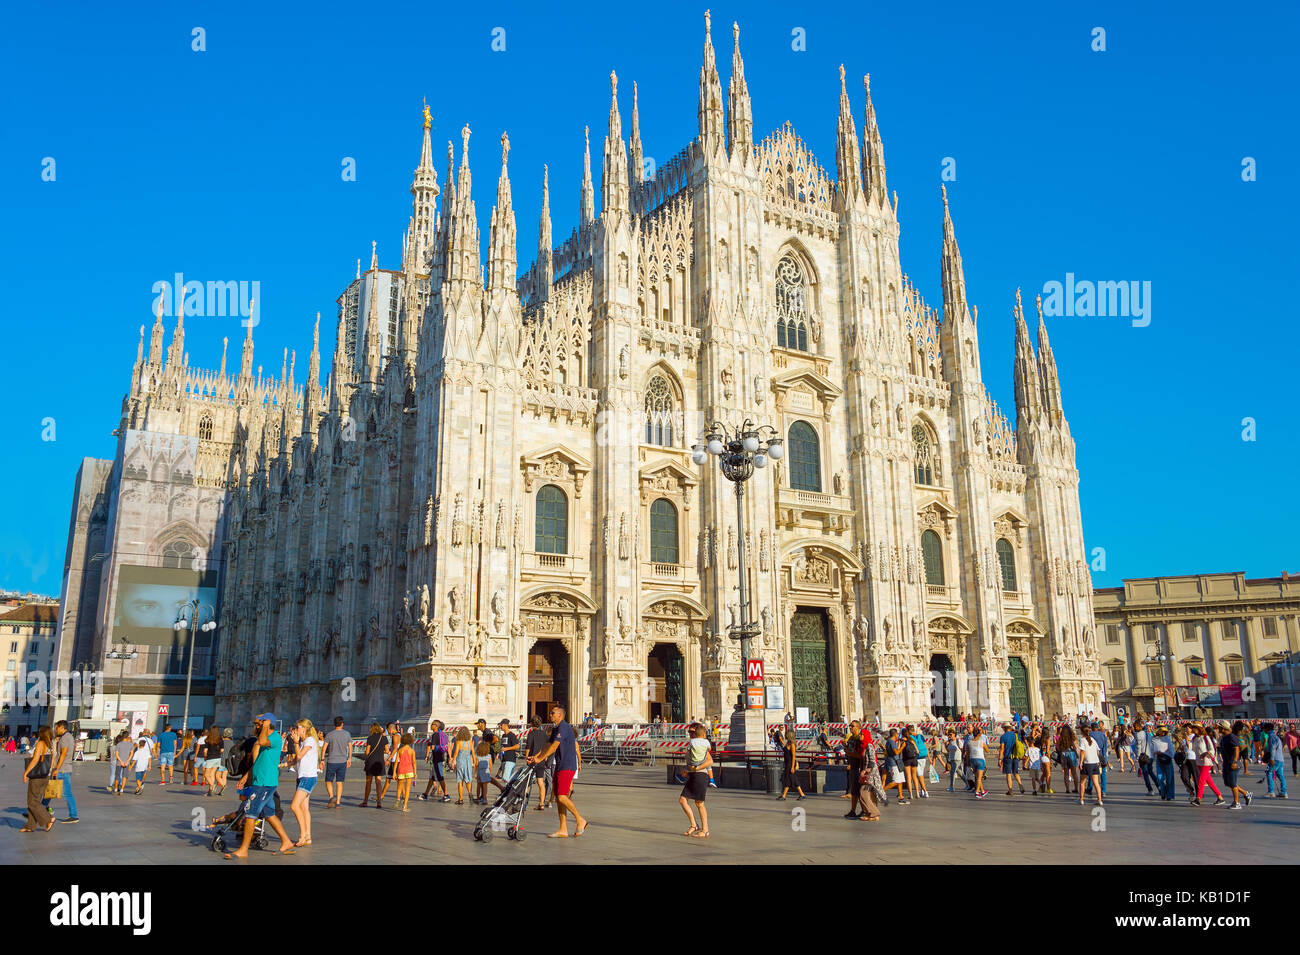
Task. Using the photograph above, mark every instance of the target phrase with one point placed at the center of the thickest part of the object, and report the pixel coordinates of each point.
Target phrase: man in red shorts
(564, 744)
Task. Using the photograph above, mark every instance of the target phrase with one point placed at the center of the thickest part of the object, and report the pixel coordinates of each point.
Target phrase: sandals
(691, 831)
(702, 834)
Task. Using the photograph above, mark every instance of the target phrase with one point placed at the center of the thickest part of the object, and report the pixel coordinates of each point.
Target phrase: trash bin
(773, 768)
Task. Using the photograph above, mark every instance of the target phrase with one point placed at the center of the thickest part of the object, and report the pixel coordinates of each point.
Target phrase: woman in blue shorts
(1066, 749)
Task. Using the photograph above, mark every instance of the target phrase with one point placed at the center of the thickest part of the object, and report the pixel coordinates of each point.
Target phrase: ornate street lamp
(188, 624)
(740, 452)
(126, 653)
(1164, 656)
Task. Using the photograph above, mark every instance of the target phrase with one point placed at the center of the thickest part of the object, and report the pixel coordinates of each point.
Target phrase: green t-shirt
(266, 768)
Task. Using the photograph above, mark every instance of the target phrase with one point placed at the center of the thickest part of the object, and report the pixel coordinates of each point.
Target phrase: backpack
(1018, 751)
(496, 744)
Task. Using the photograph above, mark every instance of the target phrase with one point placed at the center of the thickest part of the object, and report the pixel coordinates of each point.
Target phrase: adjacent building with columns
(491, 505)
(1233, 629)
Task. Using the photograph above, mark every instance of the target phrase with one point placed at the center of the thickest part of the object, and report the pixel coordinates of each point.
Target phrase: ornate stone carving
(498, 606)
(455, 619)
(458, 522)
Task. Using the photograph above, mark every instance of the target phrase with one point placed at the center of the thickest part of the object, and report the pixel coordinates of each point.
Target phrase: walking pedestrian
(509, 749)
(1069, 758)
(36, 775)
(1161, 752)
(1090, 761)
(853, 747)
(535, 742)
(306, 761)
(435, 756)
(790, 763)
(699, 757)
(61, 770)
(1232, 755)
(1203, 750)
(405, 774)
(165, 746)
(338, 750)
(375, 764)
(262, 779)
(564, 745)
(463, 758)
(922, 756)
(1274, 759)
(976, 741)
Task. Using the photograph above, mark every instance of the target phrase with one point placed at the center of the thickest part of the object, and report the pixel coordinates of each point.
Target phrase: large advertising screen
(151, 599)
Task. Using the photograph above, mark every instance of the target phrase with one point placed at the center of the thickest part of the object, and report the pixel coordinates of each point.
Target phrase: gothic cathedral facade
(492, 505)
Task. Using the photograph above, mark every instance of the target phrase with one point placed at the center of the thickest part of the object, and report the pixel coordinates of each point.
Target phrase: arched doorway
(1019, 696)
(943, 701)
(666, 683)
(548, 678)
(810, 661)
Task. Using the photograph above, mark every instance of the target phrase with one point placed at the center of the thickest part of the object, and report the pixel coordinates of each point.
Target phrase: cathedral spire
(635, 157)
(463, 262)
(225, 345)
(1028, 391)
(587, 210)
(340, 373)
(503, 256)
(740, 120)
(373, 353)
(613, 180)
(424, 191)
(848, 160)
(246, 357)
(176, 353)
(156, 336)
(311, 388)
(545, 268)
(139, 349)
(874, 152)
(953, 275)
(1047, 373)
(712, 131)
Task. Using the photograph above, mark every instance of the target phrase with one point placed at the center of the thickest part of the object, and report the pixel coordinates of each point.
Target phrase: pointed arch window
(178, 553)
(805, 458)
(660, 412)
(1007, 563)
(552, 523)
(663, 532)
(791, 304)
(205, 428)
(932, 552)
(923, 455)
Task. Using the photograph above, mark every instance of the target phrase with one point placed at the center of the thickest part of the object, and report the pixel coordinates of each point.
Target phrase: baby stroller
(230, 834)
(508, 811)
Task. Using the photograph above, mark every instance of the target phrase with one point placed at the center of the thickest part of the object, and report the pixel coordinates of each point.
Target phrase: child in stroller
(507, 812)
(228, 830)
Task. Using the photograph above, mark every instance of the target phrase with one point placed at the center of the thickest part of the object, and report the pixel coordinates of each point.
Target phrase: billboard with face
(151, 599)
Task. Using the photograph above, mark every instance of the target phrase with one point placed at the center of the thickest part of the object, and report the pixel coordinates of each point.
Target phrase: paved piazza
(635, 819)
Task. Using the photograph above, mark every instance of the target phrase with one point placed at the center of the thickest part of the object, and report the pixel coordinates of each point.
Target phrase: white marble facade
(495, 484)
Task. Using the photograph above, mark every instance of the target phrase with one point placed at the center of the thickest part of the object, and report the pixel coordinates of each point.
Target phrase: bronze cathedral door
(810, 662)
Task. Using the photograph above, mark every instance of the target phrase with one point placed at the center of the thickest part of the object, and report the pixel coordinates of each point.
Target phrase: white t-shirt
(308, 758)
(1088, 746)
(141, 759)
(1034, 757)
(975, 746)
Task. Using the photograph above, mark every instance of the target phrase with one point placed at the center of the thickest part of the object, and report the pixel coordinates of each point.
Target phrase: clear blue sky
(1125, 164)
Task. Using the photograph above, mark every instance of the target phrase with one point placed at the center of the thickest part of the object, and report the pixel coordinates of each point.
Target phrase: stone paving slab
(635, 819)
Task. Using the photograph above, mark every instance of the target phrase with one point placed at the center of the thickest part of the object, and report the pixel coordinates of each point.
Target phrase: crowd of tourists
(475, 758)
(1075, 756)
(1051, 758)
